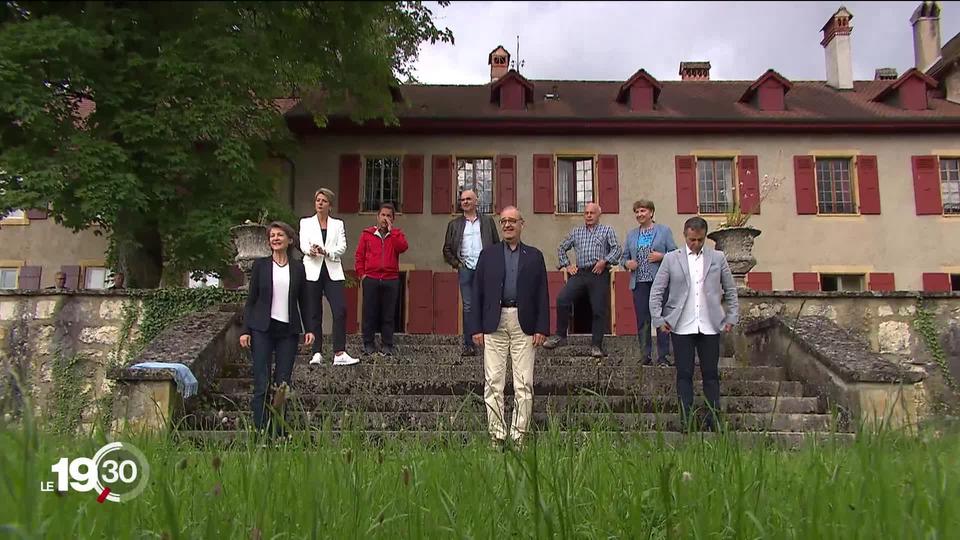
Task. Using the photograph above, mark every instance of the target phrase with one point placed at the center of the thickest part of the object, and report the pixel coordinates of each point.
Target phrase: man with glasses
(597, 250)
(511, 316)
(468, 235)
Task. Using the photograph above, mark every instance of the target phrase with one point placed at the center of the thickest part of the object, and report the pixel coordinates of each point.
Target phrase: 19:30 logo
(118, 472)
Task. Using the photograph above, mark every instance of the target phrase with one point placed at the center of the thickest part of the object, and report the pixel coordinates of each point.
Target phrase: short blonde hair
(326, 192)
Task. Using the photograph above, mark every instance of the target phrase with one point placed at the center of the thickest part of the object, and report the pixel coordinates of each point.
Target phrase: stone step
(358, 380)
(356, 340)
(589, 368)
(453, 358)
(555, 404)
(781, 439)
(450, 352)
(473, 421)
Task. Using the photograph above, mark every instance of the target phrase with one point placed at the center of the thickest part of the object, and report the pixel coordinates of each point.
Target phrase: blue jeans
(641, 304)
(466, 295)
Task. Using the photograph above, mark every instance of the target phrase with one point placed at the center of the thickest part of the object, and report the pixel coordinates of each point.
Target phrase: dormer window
(909, 91)
(640, 92)
(768, 93)
(499, 60)
(512, 91)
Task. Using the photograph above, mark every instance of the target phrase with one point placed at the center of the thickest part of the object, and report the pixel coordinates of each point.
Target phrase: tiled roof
(808, 101)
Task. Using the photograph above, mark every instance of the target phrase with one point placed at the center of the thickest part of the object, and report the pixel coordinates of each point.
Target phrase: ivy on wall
(69, 398)
(161, 307)
(926, 327)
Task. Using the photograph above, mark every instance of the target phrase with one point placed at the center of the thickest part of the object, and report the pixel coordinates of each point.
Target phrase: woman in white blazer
(323, 241)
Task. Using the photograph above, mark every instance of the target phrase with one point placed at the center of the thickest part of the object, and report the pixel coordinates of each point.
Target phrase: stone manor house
(870, 170)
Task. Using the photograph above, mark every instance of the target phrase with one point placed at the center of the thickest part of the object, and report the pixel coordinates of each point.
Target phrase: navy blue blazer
(256, 313)
(533, 301)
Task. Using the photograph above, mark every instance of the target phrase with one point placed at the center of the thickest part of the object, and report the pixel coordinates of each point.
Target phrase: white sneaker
(316, 360)
(344, 359)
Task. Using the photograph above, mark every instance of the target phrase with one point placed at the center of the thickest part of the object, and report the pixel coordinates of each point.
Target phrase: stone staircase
(429, 389)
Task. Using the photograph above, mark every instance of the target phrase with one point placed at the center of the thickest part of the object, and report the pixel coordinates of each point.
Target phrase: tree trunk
(142, 260)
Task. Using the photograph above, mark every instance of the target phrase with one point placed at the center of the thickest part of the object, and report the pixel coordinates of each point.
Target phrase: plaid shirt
(591, 246)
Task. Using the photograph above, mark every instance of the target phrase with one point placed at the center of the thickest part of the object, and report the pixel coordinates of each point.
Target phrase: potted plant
(734, 236)
(250, 239)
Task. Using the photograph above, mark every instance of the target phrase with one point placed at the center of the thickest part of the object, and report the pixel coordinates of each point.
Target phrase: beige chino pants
(508, 338)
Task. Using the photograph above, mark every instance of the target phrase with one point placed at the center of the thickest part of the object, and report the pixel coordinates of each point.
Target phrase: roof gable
(769, 75)
(512, 77)
(623, 93)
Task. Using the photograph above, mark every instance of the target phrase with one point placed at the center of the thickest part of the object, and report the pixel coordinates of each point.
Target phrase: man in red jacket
(378, 268)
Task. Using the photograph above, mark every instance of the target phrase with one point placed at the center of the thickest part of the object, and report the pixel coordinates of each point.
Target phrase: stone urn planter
(251, 242)
(737, 244)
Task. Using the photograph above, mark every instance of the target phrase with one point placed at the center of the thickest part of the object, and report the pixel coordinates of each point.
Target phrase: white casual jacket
(335, 247)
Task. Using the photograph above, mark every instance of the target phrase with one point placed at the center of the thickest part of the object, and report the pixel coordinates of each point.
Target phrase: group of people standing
(686, 294)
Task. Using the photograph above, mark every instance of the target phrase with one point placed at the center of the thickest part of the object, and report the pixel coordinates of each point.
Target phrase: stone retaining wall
(56, 348)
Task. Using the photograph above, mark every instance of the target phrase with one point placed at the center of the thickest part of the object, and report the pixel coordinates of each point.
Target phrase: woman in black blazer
(277, 305)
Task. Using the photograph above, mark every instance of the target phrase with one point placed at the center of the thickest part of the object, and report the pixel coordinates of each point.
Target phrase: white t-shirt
(280, 305)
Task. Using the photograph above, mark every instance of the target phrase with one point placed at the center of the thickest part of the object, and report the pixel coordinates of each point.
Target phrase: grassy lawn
(592, 486)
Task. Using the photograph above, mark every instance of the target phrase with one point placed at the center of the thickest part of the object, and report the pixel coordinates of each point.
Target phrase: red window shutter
(913, 94)
(506, 182)
(446, 306)
(543, 202)
(35, 214)
(511, 96)
(805, 181)
(626, 323)
(348, 200)
(806, 281)
(233, 279)
(641, 96)
(441, 200)
(926, 185)
(72, 274)
(686, 184)
(760, 281)
(770, 96)
(881, 281)
(749, 184)
(608, 179)
(868, 180)
(555, 282)
(412, 185)
(351, 297)
(420, 302)
(29, 278)
(936, 282)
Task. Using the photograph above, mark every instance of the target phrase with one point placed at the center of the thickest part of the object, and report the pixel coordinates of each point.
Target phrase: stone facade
(56, 349)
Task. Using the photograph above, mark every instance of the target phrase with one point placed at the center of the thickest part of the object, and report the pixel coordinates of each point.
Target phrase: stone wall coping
(841, 351)
(750, 293)
(140, 374)
(103, 293)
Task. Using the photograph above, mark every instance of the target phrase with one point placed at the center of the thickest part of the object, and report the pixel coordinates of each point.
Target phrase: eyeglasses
(465, 200)
(511, 221)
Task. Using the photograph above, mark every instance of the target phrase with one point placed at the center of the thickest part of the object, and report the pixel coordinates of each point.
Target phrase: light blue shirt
(471, 244)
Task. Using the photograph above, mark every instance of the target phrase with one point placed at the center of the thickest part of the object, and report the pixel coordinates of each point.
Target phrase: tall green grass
(593, 485)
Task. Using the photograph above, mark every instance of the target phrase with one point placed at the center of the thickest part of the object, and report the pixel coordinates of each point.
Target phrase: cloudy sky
(611, 40)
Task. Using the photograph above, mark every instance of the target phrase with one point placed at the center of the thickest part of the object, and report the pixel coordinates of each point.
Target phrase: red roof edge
(513, 75)
(909, 74)
(767, 75)
(640, 74)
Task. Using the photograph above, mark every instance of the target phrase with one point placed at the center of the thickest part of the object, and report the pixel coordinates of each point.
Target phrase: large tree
(151, 121)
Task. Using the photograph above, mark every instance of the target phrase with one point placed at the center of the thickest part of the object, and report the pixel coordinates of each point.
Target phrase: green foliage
(925, 325)
(583, 485)
(69, 400)
(164, 306)
(187, 135)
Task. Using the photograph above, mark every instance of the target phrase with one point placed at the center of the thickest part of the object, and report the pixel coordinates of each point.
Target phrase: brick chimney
(886, 74)
(695, 71)
(926, 35)
(499, 62)
(836, 47)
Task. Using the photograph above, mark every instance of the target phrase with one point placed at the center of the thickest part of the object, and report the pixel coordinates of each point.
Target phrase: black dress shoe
(597, 352)
(369, 350)
(389, 351)
(469, 351)
(646, 362)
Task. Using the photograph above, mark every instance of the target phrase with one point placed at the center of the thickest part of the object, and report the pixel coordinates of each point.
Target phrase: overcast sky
(612, 40)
